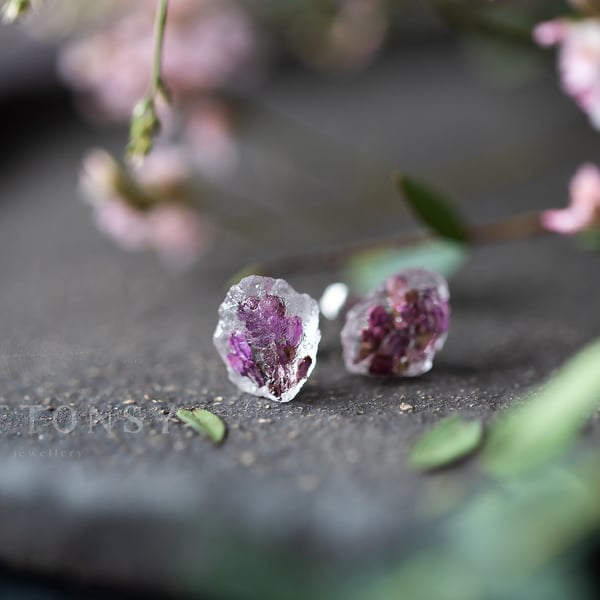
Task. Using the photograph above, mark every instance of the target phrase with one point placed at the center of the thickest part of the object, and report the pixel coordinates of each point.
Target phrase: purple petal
(303, 368)
(293, 333)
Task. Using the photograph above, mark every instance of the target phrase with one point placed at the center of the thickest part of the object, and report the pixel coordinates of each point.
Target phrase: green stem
(159, 40)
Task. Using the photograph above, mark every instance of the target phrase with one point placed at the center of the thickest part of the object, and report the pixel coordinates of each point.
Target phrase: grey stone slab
(316, 488)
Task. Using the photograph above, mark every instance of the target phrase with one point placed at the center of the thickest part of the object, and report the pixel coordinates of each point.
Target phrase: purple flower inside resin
(268, 335)
(266, 351)
(399, 327)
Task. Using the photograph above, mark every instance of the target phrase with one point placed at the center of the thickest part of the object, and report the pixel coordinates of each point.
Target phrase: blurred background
(287, 123)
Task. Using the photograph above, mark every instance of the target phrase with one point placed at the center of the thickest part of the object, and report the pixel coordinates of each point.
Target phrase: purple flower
(274, 336)
(268, 335)
(241, 359)
(399, 327)
(380, 322)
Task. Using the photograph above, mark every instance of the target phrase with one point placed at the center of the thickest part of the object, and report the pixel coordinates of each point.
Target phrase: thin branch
(156, 85)
(504, 230)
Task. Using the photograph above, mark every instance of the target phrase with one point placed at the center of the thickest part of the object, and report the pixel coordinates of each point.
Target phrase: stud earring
(268, 335)
(398, 328)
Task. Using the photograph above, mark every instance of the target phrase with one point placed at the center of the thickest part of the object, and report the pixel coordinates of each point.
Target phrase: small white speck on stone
(247, 459)
(352, 455)
(308, 483)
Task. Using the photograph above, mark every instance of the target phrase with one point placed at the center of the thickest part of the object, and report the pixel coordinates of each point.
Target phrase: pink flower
(147, 208)
(179, 235)
(583, 211)
(164, 169)
(550, 33)
(99, 174)
(111, 67)
(127, 226)
(208, 46)
(579, 60)
(208, 133)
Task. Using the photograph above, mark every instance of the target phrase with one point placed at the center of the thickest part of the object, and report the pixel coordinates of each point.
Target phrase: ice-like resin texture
(268, 335)
(399, 327)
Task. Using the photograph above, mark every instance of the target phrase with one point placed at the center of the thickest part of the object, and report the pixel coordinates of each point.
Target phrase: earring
(398, 328)
(268, 335)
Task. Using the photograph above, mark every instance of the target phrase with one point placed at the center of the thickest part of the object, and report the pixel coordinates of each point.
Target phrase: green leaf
(590, 239)
(366, 270)
(434, 210)
(204, 422)
(549, 423)
(450, 440)
(503, 62)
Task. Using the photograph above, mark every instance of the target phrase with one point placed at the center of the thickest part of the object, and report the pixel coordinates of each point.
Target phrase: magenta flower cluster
(398, 328)
(266, 351)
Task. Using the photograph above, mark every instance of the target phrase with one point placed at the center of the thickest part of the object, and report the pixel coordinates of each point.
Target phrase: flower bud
(145, 125)
(100, 175)
(14, 10)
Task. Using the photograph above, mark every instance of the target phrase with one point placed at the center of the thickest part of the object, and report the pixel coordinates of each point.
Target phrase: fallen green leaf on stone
(433, 209)
(366, 270)
(204, 422)
(548, 424)
(450, 440)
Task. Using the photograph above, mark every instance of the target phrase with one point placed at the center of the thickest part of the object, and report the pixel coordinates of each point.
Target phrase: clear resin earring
(268, 335)
(398, 328)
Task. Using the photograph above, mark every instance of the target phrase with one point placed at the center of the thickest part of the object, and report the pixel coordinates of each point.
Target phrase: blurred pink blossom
(164, 169)
(208, 133)
(358, 32)
(145, 209)
(127, 226)
(179, 235)
(583, 211)
(208, 46)
(344, 35)
(579, 59)
(99, 175)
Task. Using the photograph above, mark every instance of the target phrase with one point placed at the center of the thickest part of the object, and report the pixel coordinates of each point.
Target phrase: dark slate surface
(320, 481)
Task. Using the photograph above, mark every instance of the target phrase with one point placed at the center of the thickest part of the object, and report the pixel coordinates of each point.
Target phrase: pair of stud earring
(268, 334)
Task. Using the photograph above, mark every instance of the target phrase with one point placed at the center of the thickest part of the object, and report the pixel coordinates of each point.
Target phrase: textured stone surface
(320, 480)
